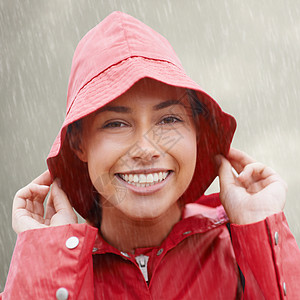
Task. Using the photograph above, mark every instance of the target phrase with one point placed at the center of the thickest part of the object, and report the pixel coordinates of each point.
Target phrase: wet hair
(74, 133)
(198, 108)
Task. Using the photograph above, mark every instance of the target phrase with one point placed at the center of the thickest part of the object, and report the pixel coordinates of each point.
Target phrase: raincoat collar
(196, 219)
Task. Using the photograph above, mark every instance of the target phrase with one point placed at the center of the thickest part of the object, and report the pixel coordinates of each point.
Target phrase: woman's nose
(145, 151)
(146, 148)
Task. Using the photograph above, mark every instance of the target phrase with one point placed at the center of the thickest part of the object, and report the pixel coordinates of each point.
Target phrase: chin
(144, 217)
(148, 212)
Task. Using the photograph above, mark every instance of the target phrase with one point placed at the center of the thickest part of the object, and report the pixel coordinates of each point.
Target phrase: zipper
(142, 261)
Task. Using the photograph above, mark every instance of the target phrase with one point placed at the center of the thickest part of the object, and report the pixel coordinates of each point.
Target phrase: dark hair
(74, 132)
(198, 108)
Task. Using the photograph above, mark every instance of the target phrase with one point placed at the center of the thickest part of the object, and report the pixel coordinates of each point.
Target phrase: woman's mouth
(144, 180)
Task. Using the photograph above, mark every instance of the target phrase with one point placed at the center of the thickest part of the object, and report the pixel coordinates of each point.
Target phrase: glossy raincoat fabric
(197, 260)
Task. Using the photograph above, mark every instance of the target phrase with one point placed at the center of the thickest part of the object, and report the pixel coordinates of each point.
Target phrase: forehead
(149, 92)
(146, 96)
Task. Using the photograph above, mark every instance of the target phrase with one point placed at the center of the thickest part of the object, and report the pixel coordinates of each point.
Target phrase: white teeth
(149, 178)
(143, 180)
(160, 176)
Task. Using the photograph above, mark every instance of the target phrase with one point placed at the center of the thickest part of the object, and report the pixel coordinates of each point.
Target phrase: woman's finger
(38, 211)
(226, 175)
(31, 192)
(43, 179)
(252, 171)
(59, 198)
(64, 211)
(258, 186)
(239, 159)
(50, 210)
(256, 171)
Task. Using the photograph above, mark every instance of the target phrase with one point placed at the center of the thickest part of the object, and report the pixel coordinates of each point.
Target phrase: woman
(140, 144)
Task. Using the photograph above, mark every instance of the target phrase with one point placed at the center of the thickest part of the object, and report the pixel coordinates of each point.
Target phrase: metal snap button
(62, 294)
(72, 242)
(160, 251)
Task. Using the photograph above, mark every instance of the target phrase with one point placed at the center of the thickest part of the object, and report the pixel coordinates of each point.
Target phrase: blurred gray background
(244, 53)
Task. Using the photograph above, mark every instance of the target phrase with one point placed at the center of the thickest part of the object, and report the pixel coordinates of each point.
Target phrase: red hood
(109, 59)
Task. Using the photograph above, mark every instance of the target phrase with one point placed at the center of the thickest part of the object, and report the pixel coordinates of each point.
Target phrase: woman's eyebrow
(120, 109)
(125, 109)
(167, 104)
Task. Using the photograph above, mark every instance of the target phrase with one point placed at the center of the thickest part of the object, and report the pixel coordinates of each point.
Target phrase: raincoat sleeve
(44, 262)
(269, 258)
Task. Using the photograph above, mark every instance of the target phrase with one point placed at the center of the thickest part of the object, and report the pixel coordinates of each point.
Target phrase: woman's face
(141, 150)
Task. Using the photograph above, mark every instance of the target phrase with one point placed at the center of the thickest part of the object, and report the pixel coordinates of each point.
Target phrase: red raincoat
(197, 260)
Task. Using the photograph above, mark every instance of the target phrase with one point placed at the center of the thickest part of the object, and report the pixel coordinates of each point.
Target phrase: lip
(147, 189)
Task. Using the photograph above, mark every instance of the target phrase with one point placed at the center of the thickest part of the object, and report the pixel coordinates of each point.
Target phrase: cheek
(190, 155)
(103, 158)
(99, 160)
(99, 166)
(185, 152)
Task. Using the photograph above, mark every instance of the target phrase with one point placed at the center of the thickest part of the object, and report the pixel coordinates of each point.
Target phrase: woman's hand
(28, 206)
(256, 193)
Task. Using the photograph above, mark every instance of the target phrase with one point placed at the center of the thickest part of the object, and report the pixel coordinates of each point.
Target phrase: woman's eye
(170, 120)
(115, 124)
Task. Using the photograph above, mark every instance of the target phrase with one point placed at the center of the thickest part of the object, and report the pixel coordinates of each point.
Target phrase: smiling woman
(134, 120)
(140, 144)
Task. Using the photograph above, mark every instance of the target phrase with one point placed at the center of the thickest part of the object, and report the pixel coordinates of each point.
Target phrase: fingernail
(218, 160)
(58, 181)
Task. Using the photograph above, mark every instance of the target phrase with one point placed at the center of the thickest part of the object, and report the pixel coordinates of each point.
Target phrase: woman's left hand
(255, 194)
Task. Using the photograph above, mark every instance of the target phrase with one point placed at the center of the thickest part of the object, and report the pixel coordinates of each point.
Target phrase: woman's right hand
(28, 206)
